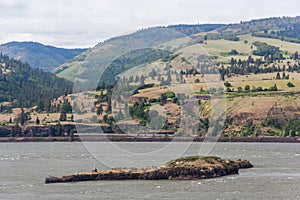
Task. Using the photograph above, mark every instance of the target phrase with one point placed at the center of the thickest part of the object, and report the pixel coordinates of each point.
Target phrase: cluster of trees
(138, 111)
(23, 117)
(291, 128)
(295, 56)
(152, 118)
(5, 108)
(55, 130)
(290, 33)
(64, 110)
(247, 88)
(256, 66)
(193, 29)
(132, 59)
(267, 51)
(24, 86)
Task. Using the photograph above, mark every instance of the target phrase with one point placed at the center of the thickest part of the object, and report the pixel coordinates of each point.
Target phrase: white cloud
(81, 23)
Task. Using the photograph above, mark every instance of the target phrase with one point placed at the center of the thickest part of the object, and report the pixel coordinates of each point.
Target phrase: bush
(289, 84)
(240, 89)
(259, 89)
(170, 95)
(232, 38)
(247, 88)
(274, 88)
(212, 90)
(228, 90)
(227, 84)
(233, 52)
(153, 100)
(273, 123)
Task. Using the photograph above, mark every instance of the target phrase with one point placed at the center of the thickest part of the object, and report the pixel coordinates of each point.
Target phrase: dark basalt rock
(193, 167)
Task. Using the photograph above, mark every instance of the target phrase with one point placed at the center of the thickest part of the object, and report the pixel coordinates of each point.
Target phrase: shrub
(197, 80)
(212, 90)
(153, 100)
(227, 84)
(233, 52)
(274, 88)
(259, 89)
(228, 90)
(170, 95)
(289, 84)
(240, 89)
(247, 87)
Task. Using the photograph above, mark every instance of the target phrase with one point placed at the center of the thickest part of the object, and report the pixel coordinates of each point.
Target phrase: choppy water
(24, 166)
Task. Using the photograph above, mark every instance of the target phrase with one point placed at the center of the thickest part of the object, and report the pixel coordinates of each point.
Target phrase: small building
(169, 100)
(138, 99)
(203, 96)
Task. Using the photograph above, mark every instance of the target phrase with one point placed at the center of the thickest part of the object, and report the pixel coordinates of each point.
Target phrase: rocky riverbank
(193, 167)
(158, 138)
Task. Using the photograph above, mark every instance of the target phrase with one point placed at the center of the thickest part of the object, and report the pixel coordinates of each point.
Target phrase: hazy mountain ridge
(38, 55)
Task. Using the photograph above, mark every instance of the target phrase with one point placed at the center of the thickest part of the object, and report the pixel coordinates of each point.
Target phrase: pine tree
(37, 121)
(63, 116)
(278, 76)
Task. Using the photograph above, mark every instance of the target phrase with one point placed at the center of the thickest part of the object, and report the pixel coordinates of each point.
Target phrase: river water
(24, 166)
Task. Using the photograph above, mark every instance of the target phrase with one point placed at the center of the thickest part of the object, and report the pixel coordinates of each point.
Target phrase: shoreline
(130, 138)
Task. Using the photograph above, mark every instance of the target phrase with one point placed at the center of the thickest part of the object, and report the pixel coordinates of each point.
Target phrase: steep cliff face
(193, 167)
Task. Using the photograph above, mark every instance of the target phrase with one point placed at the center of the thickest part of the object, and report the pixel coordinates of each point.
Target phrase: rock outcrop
(193, 167)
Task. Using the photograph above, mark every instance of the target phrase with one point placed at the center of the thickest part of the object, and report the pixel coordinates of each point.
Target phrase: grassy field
(266, 81)
(219, 47)
(51, 117)
(284, 46)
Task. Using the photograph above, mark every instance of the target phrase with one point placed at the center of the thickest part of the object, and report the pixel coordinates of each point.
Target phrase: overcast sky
(84, 23)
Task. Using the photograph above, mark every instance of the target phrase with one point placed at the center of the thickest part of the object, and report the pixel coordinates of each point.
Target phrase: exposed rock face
(34, 130)
(193, 167)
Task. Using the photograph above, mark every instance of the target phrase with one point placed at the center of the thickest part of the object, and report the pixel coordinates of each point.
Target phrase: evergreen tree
(63, 116)
(247, 88)
(37, 121)
(23, 117)
(72, 118)
(277, 76)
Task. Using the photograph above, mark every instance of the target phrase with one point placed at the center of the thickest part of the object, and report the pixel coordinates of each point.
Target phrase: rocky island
(187, 168)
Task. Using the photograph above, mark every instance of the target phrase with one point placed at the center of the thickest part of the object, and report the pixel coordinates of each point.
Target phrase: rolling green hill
(256, 64)
(258, 60)
(97, 59)
(222, 39)
(38, 55)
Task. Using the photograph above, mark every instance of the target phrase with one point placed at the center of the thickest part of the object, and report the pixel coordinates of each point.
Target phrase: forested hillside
(38, 55)
(283, 28)
(23, 86)
(108, 51)
(132, 59)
